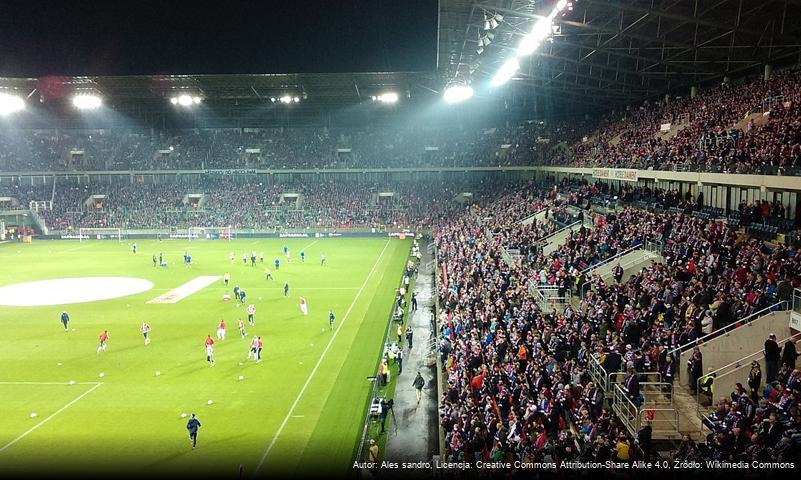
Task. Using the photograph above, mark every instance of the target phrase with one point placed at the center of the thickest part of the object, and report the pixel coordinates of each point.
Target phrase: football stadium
(366, 239)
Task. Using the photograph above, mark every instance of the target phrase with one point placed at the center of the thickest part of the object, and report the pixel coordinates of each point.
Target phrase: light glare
(86, 101)
(458, 93)
(389, 97)
(10, 104)
(506, 72)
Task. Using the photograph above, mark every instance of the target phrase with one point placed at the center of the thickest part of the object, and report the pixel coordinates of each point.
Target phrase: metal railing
(548, 298)
(663, 420)
(654, 247)
(546, 239)
(727, 370)
(611, 259)
(606, 380)
(732, 326)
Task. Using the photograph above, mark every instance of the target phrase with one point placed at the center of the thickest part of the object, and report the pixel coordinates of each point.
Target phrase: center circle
(63, 291)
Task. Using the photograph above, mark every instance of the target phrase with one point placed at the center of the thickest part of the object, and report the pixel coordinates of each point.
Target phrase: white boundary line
(51, 383)
(319, 362)
(12, 442)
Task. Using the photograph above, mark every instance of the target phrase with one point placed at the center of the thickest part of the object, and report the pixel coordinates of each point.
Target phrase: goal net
(100, 234)
(211, 233)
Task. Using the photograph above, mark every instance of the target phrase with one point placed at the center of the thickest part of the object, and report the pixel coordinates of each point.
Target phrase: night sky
(145, 37)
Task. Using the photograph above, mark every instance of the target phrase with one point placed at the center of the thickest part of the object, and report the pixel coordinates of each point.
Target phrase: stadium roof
(609, 52)
(606, 53)
(323, 87)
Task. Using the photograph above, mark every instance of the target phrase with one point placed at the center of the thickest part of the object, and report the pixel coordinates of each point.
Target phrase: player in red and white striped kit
(221, 330)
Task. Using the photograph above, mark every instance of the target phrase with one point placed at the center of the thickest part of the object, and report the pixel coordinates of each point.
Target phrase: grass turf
(134, 419)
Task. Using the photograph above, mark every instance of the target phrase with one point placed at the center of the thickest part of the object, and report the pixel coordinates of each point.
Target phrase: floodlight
(506, 72)
(492, 23)
(487, 24)
(184, 100)
(480, 50)
(390, 97)
(10, 103)
(196, 100)
(458, 93)
(296, 99)
(86, 101)
(561, 4)
(272, 99)
(174, 100)
(286, 99)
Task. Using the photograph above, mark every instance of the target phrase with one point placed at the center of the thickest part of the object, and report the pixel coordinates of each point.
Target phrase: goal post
(211, 233)
(100, 234)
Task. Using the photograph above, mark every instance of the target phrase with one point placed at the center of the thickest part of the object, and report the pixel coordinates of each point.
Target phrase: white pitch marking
(319, 361)
(50, 383)
(12, 442)
(182, 291)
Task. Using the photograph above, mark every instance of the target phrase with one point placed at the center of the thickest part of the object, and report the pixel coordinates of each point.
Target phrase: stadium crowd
(517, 376)
(722, 129)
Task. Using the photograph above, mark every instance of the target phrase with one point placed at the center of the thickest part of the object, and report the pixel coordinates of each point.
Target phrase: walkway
(413, 436)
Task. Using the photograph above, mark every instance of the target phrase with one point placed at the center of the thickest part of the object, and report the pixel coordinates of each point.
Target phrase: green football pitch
(300, 409)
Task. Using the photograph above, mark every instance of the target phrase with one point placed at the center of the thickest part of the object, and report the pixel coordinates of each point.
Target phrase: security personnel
(708, 384)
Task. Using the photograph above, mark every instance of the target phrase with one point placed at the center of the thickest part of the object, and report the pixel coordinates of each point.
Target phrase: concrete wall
(728, 378)
(539, 217)
(631, 262)
(738, 343)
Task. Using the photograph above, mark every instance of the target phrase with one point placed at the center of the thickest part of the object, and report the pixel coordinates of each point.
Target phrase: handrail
(545, 239)
(736, 364)
(613, 257)
(532, 215)
(742, 321)
(674, 411)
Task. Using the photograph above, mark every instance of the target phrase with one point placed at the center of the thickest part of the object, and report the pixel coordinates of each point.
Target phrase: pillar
(768, 71)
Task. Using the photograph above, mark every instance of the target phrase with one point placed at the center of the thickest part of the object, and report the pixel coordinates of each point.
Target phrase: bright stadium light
(531, 41)
(506, 72)
(389, 97)
(561, 5)
(86, 101)
(286, 99)
(10, 104)
(458, 93)
(185, 100)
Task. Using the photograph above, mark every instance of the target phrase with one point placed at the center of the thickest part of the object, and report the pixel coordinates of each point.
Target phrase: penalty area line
(319, 362)
(33, 428)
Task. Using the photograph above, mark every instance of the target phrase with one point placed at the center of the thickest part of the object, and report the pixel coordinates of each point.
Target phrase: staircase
(552, 242)
(631, 260)
(657, 409)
